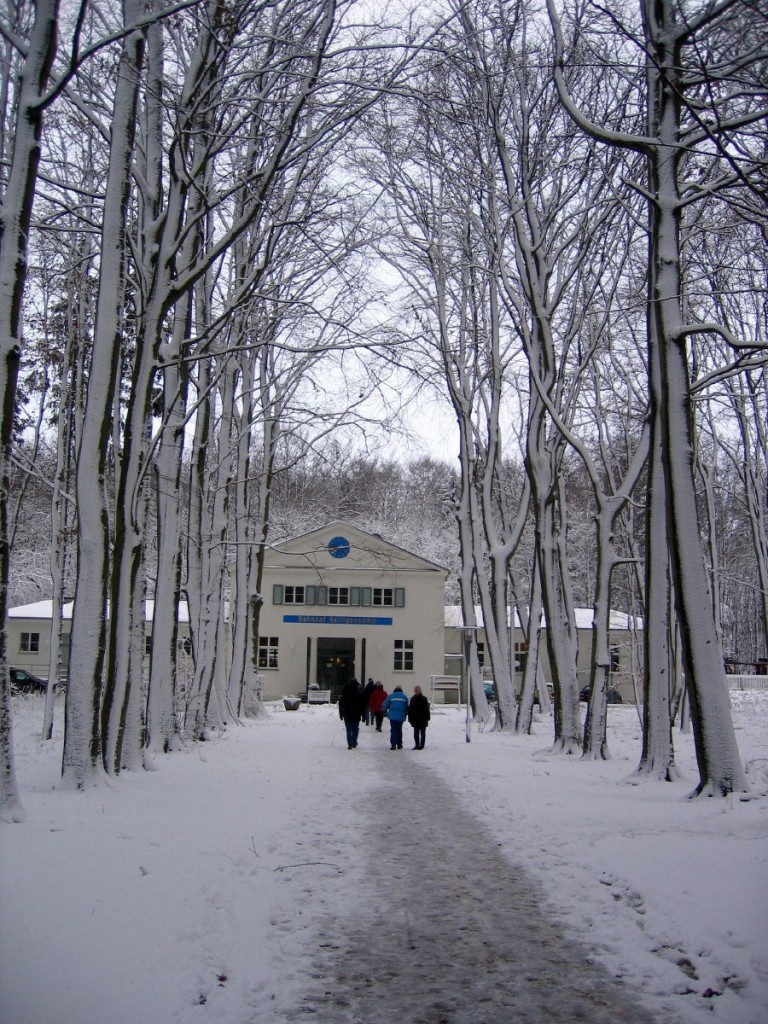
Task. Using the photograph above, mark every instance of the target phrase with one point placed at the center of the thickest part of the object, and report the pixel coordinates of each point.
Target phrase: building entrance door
(335, 663)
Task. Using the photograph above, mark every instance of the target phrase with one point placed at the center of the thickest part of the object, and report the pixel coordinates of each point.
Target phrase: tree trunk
(83, 750)
(161, 725)
(15, 218)
(720, 767)
(657, 758)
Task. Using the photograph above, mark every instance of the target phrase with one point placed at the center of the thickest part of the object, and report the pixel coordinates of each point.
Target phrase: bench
(318, 696)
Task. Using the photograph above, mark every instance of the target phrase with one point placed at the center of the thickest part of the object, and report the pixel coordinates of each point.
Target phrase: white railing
(751, 682)
(446, 684)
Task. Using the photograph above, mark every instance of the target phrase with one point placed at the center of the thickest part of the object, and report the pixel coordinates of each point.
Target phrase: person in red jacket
(375, 702)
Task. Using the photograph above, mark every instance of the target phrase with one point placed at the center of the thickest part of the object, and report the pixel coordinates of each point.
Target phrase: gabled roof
(365, 550)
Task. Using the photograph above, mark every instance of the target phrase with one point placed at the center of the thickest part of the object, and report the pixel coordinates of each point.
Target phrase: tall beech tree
(22, 138)
(703, 92)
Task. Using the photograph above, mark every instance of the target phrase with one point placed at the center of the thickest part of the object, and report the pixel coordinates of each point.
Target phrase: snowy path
(275, 877)
(437, 928)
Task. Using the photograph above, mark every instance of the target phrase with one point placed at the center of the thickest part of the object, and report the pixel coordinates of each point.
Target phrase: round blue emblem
(338, 547)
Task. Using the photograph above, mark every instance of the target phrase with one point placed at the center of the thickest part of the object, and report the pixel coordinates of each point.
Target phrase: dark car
(612, 697)
(25, 682)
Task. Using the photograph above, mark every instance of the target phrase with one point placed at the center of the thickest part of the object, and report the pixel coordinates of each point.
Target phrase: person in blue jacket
(396, 709)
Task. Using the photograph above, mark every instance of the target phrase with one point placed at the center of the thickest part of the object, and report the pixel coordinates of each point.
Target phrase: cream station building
(339, 602)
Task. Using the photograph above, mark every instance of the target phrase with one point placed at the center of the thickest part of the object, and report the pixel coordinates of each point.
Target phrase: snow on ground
(251, 878)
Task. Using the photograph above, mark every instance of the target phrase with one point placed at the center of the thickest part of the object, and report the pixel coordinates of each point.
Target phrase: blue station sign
(340, 620)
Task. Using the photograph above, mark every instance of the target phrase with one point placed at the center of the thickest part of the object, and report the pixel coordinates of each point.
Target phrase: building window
(521, 655)
(268, 651)
(147, 645)
(403, 661)
(480, 653)
(615, 659)
(383, 597)
(338, 595)
(293, 595)
(30, 643)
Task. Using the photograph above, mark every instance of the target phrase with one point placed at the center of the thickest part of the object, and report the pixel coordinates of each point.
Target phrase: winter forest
(243, 242)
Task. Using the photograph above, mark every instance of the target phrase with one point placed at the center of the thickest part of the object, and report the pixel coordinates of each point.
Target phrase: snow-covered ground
(220, 887)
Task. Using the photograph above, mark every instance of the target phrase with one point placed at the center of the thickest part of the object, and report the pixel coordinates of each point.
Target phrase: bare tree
(559, 279)
(305, 95)
(23, 154)
(692, 59)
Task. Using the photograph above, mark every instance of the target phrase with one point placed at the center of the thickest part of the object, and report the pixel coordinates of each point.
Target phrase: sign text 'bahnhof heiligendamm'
(341, 620)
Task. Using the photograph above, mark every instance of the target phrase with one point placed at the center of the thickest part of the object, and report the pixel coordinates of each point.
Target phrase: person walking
(418, 716)
(370, 686)
(351, 710)
(378, 697)
(396, 708)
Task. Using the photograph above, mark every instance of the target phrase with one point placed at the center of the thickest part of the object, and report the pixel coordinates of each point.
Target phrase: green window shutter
(277, 593)
(354, 596)
(322, 595)
(399, 597)
(366, 595)
(311, 595)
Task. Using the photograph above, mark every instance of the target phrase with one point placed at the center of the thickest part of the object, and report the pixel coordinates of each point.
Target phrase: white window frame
(29, 643)
(403, 656)
(269, 652)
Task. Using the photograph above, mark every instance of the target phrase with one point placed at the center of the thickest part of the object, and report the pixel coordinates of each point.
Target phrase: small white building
(339, 602)
(29, 637)
(625, 644)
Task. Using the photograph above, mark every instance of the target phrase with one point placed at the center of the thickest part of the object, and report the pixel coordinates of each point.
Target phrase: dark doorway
(335, 663)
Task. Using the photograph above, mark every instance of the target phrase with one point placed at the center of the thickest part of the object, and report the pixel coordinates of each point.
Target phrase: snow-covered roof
(149, 610)
(584, 618)
(453, 618)
(43, 610)
(39, 610)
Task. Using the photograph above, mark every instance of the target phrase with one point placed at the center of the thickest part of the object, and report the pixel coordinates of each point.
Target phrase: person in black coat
(351, 710)
(370, 686)
(418, 716)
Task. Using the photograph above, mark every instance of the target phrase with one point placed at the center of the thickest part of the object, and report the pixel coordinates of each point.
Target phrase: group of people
(370, 704)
